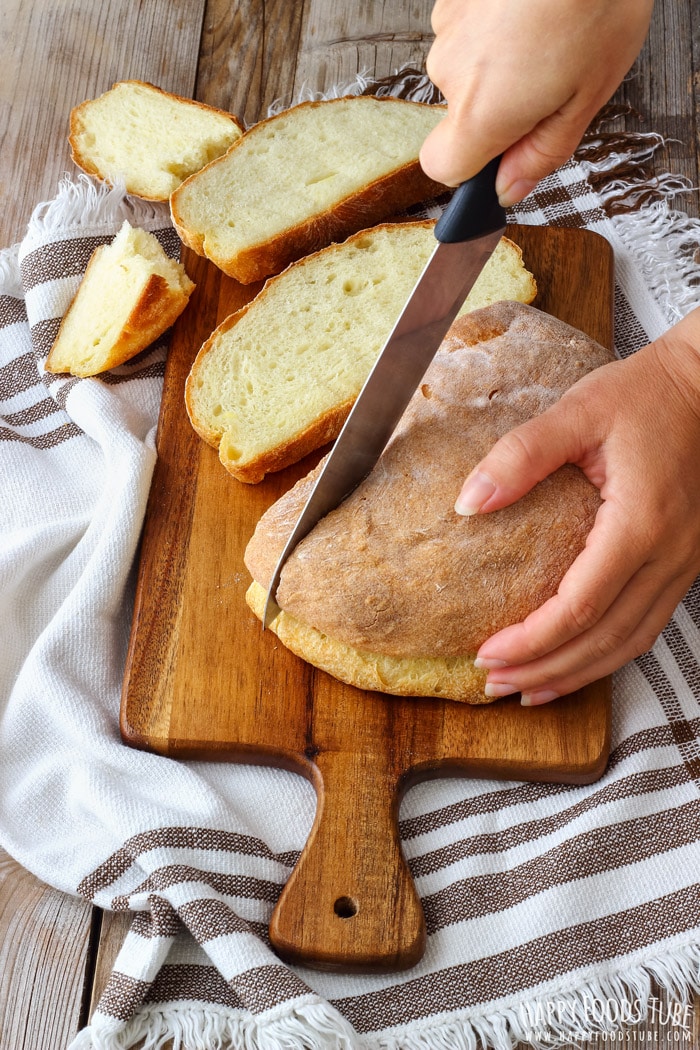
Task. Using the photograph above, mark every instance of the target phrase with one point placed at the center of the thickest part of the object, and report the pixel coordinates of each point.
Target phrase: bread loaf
(394, 571)
(302, 179)
(278, 378)
(148, 138)
(130, 294)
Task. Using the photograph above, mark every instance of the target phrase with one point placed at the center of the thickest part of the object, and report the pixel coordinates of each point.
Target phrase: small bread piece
(130, 294)
(148, 138)
(394, 570)
(278, 378)
(300, 180)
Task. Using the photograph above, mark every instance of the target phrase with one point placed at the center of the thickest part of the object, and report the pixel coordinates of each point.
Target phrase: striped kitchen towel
(550, 908)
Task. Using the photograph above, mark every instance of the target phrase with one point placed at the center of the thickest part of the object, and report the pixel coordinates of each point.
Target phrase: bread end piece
(447, 678)
(130, 294)
(148, 138)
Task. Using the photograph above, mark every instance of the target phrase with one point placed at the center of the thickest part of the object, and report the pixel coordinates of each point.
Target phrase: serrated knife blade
(466, 235)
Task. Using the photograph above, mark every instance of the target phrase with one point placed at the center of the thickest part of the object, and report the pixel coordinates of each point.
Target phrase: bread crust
(384, 196)
(321, 430)
(77, 126)
(327, 425)
(156, 309)
(394, 569)
(449, 678)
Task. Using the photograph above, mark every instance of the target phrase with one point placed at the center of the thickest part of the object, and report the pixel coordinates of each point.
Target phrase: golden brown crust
(410, 576)
(385, 196)
(77, 125)
(158, 306)
(377, 201)
(449, 678)
(323, 429)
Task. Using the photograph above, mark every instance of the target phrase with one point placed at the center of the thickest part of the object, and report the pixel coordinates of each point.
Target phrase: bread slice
(307, 177)
(393, 585)
(148, 138)
(130, 294)
(278, 378)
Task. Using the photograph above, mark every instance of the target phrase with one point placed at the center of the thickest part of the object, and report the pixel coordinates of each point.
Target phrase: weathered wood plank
(57, 55)
(44, 961)
(114, 926)
(342, 40)
(249, 55)
(663, 89)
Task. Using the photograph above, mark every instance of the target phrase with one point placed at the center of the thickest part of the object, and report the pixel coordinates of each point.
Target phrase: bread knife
(466, 233)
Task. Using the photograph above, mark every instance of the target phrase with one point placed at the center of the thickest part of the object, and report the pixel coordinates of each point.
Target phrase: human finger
(622, 635)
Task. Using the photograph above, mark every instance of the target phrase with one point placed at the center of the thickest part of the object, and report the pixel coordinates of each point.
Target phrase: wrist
(678, 355)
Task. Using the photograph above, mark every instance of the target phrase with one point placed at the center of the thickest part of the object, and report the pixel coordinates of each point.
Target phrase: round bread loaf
(395, 570)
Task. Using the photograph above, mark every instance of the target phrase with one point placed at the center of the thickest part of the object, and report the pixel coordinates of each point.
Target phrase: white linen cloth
(549, 907)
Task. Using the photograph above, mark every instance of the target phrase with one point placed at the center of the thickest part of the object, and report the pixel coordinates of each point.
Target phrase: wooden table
(56, 951)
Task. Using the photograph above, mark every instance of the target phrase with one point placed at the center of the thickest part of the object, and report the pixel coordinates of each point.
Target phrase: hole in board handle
(345, 907)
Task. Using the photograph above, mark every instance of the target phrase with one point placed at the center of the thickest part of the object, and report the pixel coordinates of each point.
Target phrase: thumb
(518, 461)
(451, 153)
(538, 153)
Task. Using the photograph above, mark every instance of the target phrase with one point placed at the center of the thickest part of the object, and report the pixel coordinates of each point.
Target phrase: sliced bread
(130, 294)
(278, 378)
(302, 179)
(148, 138)
(393, 590)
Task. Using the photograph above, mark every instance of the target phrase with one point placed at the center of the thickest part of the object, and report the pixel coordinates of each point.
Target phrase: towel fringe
(10, 282)
(90, 208)
(406, 82)
(607, 1006)
(640, 204)
(308, 1026)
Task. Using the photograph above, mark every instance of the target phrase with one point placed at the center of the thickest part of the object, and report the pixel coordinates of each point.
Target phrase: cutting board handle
(350, 904)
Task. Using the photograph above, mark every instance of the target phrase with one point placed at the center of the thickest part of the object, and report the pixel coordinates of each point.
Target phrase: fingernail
(495, 689)
(475, 491)
(515, 192)
(537, 698)
(489, 664)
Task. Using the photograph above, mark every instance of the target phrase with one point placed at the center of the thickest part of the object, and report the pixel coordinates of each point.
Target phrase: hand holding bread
(392, 586)
(633, 427)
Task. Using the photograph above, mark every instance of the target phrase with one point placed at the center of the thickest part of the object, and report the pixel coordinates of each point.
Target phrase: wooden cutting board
(203, 681)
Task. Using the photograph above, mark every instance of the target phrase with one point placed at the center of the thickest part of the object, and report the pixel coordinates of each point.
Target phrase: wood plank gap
(86, 1001)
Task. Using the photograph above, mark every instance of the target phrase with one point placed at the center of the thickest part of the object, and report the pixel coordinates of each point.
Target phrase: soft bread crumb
(148, 138)
(278, 378)
(304, 178)
(446, 677)
(130, 294)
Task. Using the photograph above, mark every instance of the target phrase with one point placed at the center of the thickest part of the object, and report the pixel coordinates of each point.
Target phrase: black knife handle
(474, 208)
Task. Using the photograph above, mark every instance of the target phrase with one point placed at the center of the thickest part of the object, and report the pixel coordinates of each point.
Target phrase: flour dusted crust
(393, 188)
(394, 570)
